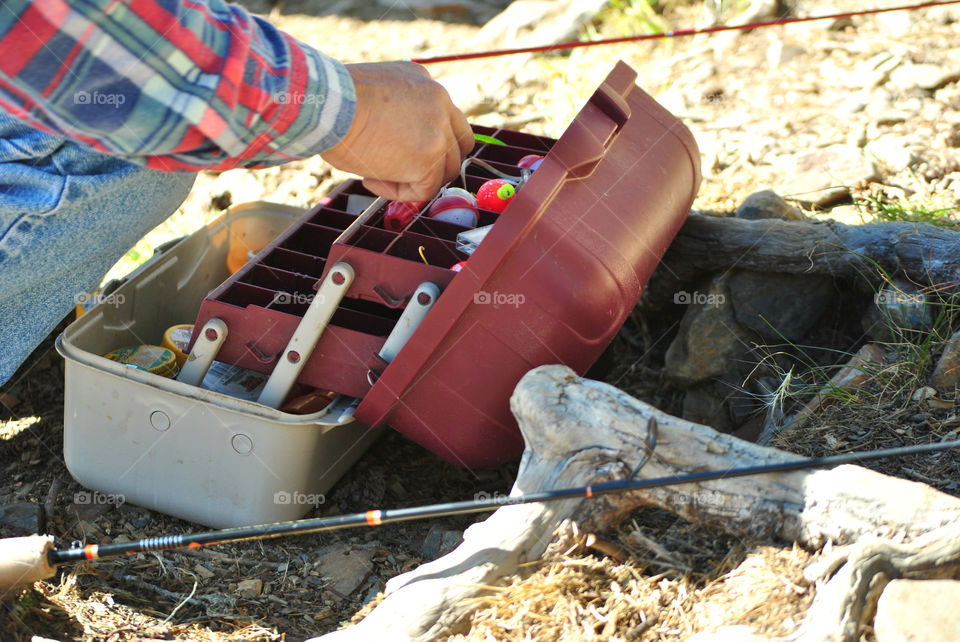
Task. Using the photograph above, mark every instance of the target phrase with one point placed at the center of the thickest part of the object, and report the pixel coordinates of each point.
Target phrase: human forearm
(204, 85)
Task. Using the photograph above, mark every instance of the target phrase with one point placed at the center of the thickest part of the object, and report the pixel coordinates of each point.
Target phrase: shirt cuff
(316, 109)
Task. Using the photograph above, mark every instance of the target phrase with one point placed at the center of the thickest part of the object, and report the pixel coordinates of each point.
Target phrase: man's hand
(407, 136)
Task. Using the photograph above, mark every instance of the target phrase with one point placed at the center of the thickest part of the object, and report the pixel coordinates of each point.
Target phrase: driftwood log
(579, 432)
(922, 253)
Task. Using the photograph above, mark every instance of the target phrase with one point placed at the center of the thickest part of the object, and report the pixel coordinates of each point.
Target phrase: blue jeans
(67, 213)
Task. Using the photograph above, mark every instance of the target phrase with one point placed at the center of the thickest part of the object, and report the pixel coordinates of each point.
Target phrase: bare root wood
(862, 253)
(578, 432)
(923, 252)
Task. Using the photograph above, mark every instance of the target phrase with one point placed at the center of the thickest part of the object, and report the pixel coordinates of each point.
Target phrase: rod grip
(23, 560)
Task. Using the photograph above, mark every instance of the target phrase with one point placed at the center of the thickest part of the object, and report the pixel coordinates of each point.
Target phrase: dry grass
(886, 412)
(676, 580)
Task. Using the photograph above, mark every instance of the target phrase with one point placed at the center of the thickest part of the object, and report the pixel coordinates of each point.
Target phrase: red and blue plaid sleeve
(173, 84)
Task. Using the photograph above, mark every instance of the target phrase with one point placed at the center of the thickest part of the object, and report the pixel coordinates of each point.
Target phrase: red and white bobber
(457, 206)
(495, 194)
(530, 161)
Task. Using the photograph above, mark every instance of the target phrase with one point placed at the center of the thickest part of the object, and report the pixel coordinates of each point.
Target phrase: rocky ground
(842, 117)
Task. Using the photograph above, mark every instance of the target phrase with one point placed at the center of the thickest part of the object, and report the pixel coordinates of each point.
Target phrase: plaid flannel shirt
(173, 84)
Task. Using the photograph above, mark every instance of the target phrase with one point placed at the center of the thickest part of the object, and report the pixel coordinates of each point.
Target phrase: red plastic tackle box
(553, 281)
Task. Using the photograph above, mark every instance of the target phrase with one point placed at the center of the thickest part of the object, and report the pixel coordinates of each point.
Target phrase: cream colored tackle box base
(192, 453)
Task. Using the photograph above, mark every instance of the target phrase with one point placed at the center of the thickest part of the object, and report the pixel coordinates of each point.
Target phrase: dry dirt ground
(755, 101)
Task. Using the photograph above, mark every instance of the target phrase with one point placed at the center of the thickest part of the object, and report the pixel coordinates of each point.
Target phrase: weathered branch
(579, 431)
(923, 253)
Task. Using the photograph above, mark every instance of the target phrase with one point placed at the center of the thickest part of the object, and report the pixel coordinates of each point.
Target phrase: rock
(946, 374)
(896, 152)
(88, 505)
(22, 518)
(375, 589)
(779, 53)
(852, 104)
(824, 176)
(702, 405)
(883, 110)
(923, 393)
(923, 76)
(344, 568)
(779, 306)
(896, 23)
(250, 588)
(768, 204)
(439, 542)
(918, 611)
(846, 214)
(897, 308)
(868, 73)
(709, 339)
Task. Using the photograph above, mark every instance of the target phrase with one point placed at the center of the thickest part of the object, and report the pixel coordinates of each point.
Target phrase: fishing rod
(576, 44)
(27, 559)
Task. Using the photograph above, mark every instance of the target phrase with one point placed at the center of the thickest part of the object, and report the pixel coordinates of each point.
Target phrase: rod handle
(23, 560)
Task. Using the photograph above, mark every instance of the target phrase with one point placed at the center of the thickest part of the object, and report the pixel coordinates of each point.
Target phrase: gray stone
(896, 23)
(344, 568)
(946, 374)
(707, 404)
(439, 542)
(84, 506)
(918, 611)
(824, 176)
(846, 214)
(709, 341)
(779, 306)
(22, 518)
(768, 204)
(852, 104)
(896, 152)
(883, 62)
(779, 53)
(376, 586)
(923, 76)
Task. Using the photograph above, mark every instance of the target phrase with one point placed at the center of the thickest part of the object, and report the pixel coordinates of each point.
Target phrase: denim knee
(67, 213)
